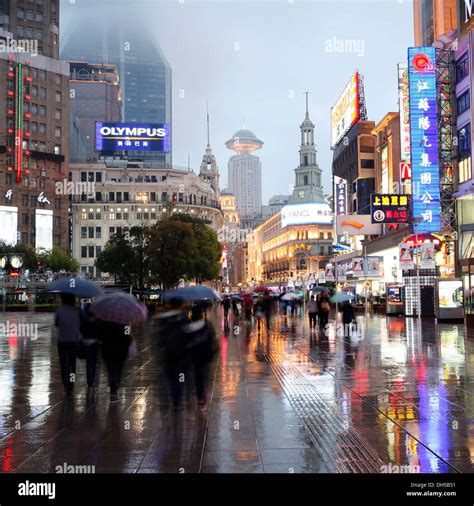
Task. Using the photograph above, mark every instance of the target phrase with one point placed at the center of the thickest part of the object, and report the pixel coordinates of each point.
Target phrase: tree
(116, 258)
(172, 248)
(57, 259)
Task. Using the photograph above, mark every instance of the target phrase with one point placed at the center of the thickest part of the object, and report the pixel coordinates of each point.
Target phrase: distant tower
(209, 170)
(308, 182)
(245, 172)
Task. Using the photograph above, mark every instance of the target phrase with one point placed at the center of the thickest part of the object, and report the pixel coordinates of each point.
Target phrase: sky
(254, 59)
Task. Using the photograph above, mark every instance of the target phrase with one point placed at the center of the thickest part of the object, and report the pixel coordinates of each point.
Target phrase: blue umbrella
(76, 286)
(341, 297)
(191, 293)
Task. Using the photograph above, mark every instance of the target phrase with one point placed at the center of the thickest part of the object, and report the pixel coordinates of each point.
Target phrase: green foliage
(57, 259)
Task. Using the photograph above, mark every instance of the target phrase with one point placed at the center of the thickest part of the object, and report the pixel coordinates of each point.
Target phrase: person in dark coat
(67, 322)
(90, 336)
(226, 306)
(203, 346)
(348, 317)
(324, 308)
(267, 307)
(175, 344)
(115, 340)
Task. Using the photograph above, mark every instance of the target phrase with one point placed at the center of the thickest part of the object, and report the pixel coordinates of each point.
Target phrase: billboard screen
(346, 112)
(44, 229)
(450, 293)
(424, 138)
(132, 137)
(9, 225)
(306, 214)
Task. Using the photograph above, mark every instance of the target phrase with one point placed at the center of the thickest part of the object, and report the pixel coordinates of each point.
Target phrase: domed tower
(245, 172)
(308, 176)
(209, 170)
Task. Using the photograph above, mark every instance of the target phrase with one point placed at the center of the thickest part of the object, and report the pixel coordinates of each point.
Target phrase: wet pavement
(395, 398)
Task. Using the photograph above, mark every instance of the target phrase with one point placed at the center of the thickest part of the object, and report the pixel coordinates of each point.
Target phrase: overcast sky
(255, 58)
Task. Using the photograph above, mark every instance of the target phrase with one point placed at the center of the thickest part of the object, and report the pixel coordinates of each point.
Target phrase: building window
(83, 177)
(57, 132)
(463, 102)
(42, 110)
(34, 91)
(111, 231)
(58, 79)
(98, 232)
(98, 177)
(57, 149)
(58, 96)
(91, 232)
(462, 67)
(465, 171)
(98, 250)
(91, 251)
(57, 114)
(464, 141)
(111, 197)
(84, 251)
(42, 128)
(42, 92)
(83, 232)
(367, 164)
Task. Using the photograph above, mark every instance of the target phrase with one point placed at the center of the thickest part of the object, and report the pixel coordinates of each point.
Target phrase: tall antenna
(207, 111)
(189, 162)
(243, 124)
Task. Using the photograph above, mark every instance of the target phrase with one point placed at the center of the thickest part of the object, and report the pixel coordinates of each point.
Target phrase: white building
(121, 194)
(245, 173)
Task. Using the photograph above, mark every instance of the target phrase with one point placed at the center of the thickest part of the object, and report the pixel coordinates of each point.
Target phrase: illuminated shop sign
(306, 214)
(346, 112)
(404, 108)
(132, 137)
(390, 208)
(424, 138)
(341, 196)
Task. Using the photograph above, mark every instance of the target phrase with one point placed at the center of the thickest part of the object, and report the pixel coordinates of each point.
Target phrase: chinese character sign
(424, 138)
(341, 196)
(404, 106)
(390, 208)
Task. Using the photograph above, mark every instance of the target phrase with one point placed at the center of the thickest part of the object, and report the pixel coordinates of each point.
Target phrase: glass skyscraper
(111, 34)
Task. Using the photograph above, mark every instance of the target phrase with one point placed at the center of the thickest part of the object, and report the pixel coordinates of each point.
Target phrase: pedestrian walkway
(281, 401)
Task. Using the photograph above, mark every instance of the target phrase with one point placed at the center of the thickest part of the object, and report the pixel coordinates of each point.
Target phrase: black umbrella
(76, 286)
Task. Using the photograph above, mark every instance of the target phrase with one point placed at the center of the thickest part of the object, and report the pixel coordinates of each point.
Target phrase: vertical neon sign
(19, 122)
(424, 138)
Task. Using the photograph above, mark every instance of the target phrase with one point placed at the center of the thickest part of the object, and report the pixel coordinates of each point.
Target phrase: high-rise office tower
(122, 40)
(245, 172)
(34, 126)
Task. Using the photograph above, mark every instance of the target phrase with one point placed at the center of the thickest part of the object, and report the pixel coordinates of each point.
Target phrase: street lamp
(418, 288)
(364, 245)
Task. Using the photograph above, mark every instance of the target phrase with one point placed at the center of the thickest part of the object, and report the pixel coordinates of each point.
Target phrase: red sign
(405, 170)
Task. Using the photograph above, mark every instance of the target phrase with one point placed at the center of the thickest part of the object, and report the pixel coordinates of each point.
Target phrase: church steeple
(308, 182)
(209, 170)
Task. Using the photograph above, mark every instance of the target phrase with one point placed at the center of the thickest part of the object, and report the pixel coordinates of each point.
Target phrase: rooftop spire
(307, 111)
(243, 124)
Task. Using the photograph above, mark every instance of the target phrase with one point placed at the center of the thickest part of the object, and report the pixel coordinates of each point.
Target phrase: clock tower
(308, 176)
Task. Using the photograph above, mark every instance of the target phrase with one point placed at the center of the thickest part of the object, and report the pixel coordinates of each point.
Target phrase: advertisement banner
(427, 256)
(44, 229)
(374, 267)
(394, 295)
(9, 225)
(321, 278)
(329, 272)
(132, 137)
(406, 256)
(358, 267)
(306, 214)
(404, 108)
(424, 138)
(450, 293)
(346, 112)
(341, 272)
(357, 224)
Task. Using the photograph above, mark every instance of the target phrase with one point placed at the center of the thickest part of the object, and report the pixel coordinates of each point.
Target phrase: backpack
(325, 306)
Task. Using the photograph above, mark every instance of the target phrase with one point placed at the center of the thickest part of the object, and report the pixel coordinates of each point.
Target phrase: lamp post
(364, 245)
(414, 221)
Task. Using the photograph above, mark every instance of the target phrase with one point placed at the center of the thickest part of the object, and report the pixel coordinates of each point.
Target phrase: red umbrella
(119, 307)
(260, 289)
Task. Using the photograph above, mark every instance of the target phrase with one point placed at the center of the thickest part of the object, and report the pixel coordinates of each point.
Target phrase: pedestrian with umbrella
(67, 322)
(116, 313)
(324, 308)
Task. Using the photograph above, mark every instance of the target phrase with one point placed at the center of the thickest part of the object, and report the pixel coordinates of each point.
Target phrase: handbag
(132, 349)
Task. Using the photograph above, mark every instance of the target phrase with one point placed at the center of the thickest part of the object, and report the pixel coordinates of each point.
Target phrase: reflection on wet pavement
(395, 398)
